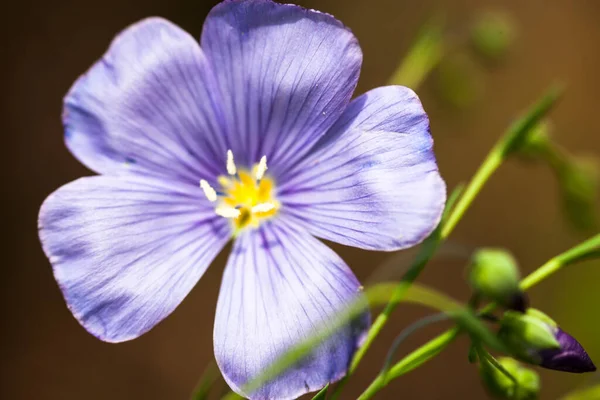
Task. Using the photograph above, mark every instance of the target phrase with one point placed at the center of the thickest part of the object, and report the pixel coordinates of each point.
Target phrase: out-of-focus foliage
(492, 34)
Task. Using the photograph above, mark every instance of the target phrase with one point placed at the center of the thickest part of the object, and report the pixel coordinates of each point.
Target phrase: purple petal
(372, 182)
(126, 251)
(571, 357)
(278, 286)
(147, 105)
(286, 74)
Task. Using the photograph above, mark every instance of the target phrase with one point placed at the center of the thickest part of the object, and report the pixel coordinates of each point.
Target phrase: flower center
(245, 197)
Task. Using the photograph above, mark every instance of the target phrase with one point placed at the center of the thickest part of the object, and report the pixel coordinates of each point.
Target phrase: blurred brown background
(45, 354)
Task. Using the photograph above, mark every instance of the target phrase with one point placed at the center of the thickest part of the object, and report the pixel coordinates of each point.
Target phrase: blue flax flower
(250, 135)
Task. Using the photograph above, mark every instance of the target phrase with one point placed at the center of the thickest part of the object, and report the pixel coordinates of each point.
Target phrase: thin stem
(589, 248)
(485, 356)
(415, 359)
(423, 56)
(412, 328)
(514, 137)
(485, 171)
(206, 382)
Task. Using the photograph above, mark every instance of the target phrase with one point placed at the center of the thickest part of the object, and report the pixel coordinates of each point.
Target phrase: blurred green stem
(424, 55)
(205, 383)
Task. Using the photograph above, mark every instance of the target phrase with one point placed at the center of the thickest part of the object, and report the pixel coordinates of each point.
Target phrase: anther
(262, 168)
(209, 192)
(231, 169)
(263, 207)
(227, 212)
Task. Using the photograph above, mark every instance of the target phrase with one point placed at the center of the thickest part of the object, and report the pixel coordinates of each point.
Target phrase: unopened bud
(528, 337)
(527, 334)
(571, 357)
(493, 273)
(526, 387)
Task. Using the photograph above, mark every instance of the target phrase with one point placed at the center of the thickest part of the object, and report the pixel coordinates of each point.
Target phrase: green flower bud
(493, 273)
(499, 385)
(535, 313)
(492, 34)
(526, 335)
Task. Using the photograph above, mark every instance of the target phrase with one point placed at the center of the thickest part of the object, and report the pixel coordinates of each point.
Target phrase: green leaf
(493, 273)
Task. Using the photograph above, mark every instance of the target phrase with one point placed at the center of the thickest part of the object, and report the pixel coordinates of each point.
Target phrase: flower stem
(588, 249)
(406, 332)
(511, 141)
(486, 358)
(410, 362)
(423, 56)
(206, 382)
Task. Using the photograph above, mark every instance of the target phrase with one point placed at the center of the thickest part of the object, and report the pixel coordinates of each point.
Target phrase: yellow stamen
(245, 196)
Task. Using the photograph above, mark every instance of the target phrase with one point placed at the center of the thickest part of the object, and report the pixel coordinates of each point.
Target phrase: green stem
(588, 249)
(411, 361)
(513, 138)
(206, 382)
(485, 171)
(486, 357)
(409, 330)
(424, 55)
